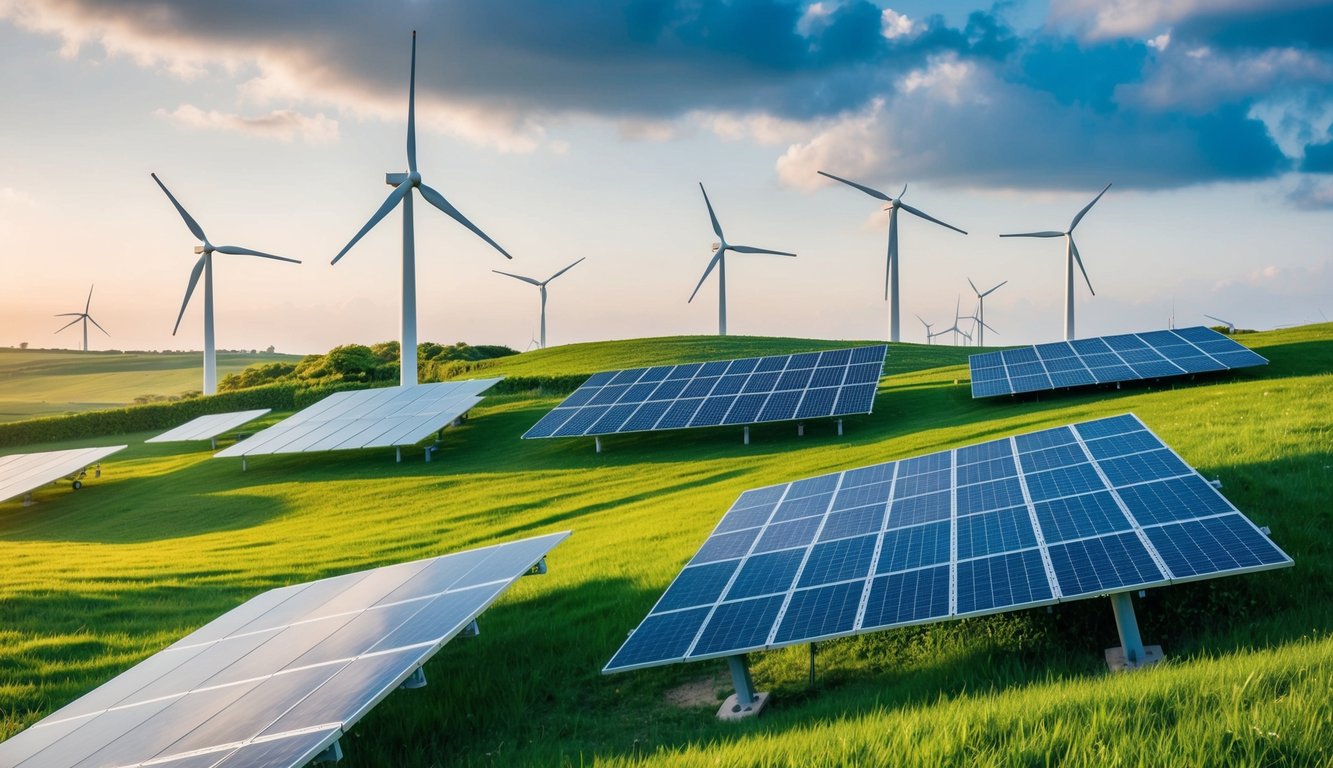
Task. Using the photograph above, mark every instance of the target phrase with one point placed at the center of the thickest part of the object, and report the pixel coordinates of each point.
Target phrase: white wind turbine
(981, 310)
(541, 286)
(403, 184)
(954, 329)
(891, 267)
(1231, 327)
(85, 317)
(1071, 256)
(929, 336)
(978, 325)
(204, 266)
(720, 249)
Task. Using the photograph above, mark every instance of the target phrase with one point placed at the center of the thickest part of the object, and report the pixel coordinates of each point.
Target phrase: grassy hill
(169, 538)
(46, 382)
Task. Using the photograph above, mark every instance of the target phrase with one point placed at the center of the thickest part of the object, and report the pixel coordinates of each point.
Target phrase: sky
(583, 129)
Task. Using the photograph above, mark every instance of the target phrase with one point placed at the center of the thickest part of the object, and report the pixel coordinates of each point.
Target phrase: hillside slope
(169, 538)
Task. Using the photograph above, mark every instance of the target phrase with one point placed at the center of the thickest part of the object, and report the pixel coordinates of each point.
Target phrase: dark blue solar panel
(867, 373)
(1141, 467)
(828, 377)
(646, 417)
(1091, 514)
(551, 422)
(780, 406)
(749, 517)
(638, 393)
(581, 421)
(855, 399)
(989, 360)
(919, 509)
(983, 497)
(804, 506)
(838, 561)
(1019, 356)
(919, 465)
(656, 374)
(772, 364)
(854, 522)
(755, 497)
(679, 414)
(1013, 579)
(713, 410)
(686, 371)
(990, 533)
(1225, 543)
(745, 409)
(987, 451)
(726, 546)
(817, 403)
(1125, 342)
(661, 637)
(835, 357)
(766, 574)
(795, 379)
(697, 585)
(803, 360)
(1050, 458)
(669, 389)
(1123, 445)
(869, 354)
(743, 624)
(907, 548)
(812, 486)
(700, 387)
(761, 382)
(1047, 438)
(983, 471)
(1054, 351)
(609, 394)
(1111, 425)
(1090, 346)
(820, 612)
(714, 369)
(744, 365)
(877, 473)
(1064, 481)
(580, 396)
(1167, 500)
(907, 598)
(794, 533)
(1097, 566)
(729, 385)
(614, 418)
(916, 485)
(860, 495)
(598, 379)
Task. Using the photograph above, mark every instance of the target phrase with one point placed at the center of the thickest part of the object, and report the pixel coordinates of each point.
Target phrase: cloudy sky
(582, 128)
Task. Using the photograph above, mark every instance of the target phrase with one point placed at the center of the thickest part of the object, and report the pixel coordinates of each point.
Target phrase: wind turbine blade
(89, 303)
(69, 314)
(563, 271)
(716, 258)
(915, 212)
(437, 200)
(717, 228)
(1087, 208)
(993, 290)
(900, 194)
(517, 277)
(974, 287)
(71, 322)
(389, 202)
(1047, 233)
(985, 325)
(238, 251)
(94, 322)
(412, 109)
(875, 193)
(195, 229)
(752, 249)
(1074, 249)
(194, 280)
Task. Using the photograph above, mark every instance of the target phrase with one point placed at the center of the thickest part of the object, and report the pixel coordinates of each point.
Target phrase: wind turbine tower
(541, 286)
(981, 310)
(204, 266)
(403, 184)
(720, 249)
(892, 205)
(929, 336)
(1231, 327)
(1071, 256)
(85, 317)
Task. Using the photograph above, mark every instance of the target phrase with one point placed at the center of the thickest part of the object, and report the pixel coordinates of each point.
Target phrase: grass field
(48, 382)
(169, 538)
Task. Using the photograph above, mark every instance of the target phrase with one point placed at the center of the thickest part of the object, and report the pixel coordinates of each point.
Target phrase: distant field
(170, 537)
(45, 382)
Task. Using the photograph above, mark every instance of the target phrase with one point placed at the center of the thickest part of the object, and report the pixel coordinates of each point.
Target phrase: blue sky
(582, 128)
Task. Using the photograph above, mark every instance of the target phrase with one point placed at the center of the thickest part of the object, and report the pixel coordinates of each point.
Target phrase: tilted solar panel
(1067, 513)
(281, 677)
(1107, 359)
(208, 427)
(752, 390)
(21, 473)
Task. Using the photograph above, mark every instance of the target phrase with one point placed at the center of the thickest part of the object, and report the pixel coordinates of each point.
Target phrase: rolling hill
(169, 538)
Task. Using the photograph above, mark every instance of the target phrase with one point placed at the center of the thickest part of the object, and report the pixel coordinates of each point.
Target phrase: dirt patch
(696, 693)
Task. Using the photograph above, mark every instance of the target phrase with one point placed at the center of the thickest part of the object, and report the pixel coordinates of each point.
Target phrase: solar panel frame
(1100, 545)
(775, 388)
(117, 723)
(367, 418)
(22, 473)
(208, 426)
(1107, 359)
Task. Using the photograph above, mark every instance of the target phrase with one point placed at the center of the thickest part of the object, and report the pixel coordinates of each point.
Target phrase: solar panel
(367, 418)
(809, 385)
(207, 427)
(22, 473)
(280, 678)
(1062, 514)
(1107, 359)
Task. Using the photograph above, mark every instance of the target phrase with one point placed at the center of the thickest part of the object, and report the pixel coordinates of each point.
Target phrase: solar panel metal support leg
(744, 702)
(415, 680)
(331, 754)
(471, 630)
(213, 443)
(800, 429)
(27, 499)
(398, 453)
(1131, 654)
(747, 435)
(839, 427)
(244, 466)
(597, 443)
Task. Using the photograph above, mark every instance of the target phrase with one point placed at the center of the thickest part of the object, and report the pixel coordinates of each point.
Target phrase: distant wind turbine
(978, 325)
(891, 267)
(1071, 256)
(85, 317)
(928, 325)
(403, 184)
(720, 249)
(541, 286)
(954, 329)
(204, 266)
(1231, 327)
(981, 310)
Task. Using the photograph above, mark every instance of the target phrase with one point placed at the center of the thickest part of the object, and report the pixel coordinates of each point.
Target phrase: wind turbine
(1071, 256)
(403, 184)
(928, 325)
(891, 267)
(954, 329)
(978, 325)
(981, 310)
(85, 317)
(204, 266)
(541, 286)
(720, 249)
(1231, 327)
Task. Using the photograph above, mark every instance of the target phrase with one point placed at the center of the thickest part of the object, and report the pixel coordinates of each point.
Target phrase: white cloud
(1160, 42)
(894, 25)
(814, 18)
(761, 128)
(1202, 78)
(945, 78)
(848, 147)
(281, 125)
(1104, 19)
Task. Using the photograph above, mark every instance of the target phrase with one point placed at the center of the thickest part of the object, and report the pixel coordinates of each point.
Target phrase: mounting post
(747, 435)
(538, 569)
(398, 453)
(812, 665)
(331, 754)
(415, 680)
(243, 464)
(213, 443)
(839, 427)
(471, 630)
(597, 443)
(27, 499)
(744, 702)
(1131, 654)
(800, 429)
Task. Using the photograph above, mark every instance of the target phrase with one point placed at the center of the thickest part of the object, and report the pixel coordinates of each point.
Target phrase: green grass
(49, 382)
(169, 538)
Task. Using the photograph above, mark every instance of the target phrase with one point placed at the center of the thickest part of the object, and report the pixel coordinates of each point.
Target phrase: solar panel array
(24, 472)
(1066, 513)
(278, 679)
(207, 427)
(367, 418)
(1107, 359)
(809, 385)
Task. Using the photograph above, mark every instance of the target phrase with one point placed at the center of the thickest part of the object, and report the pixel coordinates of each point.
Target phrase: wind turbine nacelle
(716, 246)
(394, 179)
(198, 249)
